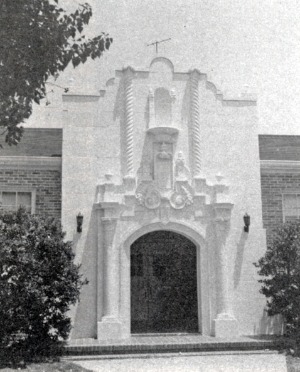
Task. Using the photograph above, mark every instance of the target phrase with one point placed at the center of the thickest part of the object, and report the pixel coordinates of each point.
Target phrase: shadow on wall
(239, 258)
(85, 319)
(269, 325)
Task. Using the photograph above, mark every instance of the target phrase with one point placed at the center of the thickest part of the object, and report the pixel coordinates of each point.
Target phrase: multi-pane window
(12, 200)
(291, 207)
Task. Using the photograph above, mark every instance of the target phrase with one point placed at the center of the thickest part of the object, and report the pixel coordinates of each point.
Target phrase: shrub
(38, 283)
(281, 268)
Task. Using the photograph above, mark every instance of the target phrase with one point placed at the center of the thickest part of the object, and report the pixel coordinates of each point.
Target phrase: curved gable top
(162, 70)
(162, 61)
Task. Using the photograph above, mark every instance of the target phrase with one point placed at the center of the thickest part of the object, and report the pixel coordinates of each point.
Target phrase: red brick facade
(280, 174)
(46, 183)
(273, 186)
(35, 165)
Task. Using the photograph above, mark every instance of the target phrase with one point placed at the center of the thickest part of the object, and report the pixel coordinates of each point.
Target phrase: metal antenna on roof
(158, 42)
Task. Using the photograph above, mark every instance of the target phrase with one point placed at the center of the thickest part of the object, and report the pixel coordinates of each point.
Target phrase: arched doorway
(163, 284)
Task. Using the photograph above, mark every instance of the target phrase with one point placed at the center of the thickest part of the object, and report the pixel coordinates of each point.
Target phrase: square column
(225, 324)
(110, 327)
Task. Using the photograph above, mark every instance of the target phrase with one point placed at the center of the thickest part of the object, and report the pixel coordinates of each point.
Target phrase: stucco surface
(242, 46)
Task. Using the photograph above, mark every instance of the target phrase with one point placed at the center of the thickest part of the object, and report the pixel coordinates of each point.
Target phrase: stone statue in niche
(183, 192)
(182, 173)
(163, 166)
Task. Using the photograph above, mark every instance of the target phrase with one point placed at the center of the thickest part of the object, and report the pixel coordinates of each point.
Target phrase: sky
(243, 46)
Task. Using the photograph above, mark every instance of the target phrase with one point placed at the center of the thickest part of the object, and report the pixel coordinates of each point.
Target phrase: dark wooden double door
(163, 284)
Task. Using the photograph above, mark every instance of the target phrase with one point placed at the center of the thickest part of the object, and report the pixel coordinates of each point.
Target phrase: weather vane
(158, 42)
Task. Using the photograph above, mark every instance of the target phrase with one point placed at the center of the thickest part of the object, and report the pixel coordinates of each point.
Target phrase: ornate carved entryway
(163, 284)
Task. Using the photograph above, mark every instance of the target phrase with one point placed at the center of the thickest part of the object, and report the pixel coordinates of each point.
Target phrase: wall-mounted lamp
(246, 222)
(79, 219)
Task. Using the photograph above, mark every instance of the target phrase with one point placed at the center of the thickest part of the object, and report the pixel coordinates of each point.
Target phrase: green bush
(38, 283)
(281, 268)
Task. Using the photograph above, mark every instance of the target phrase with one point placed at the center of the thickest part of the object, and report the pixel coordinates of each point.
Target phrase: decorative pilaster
(129, 121)
(110, 269)
(110, 327)
(195, 123)
(225, 324)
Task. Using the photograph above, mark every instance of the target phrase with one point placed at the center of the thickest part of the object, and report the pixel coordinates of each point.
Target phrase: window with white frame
(291, 207)
(12, 200)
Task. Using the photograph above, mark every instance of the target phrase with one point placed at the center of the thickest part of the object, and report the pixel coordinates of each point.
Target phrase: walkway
(237, 362)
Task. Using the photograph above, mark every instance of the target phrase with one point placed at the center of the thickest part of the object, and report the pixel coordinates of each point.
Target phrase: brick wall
(46, 182)
(273, 185)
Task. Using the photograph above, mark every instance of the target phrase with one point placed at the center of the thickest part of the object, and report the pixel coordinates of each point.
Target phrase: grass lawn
(293, 364)
(48, 367)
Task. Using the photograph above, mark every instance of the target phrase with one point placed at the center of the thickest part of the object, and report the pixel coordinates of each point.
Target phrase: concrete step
(167, 355)
(169, 344)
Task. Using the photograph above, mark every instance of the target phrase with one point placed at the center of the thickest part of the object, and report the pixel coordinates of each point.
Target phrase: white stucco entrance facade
(161, 150)
(125, 285)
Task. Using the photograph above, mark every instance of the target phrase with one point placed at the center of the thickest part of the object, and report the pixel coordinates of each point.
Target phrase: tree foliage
(281, 268)
(38, 39)
(38, 283)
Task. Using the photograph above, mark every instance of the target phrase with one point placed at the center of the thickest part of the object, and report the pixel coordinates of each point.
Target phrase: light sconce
(79, 219)
(246, 222)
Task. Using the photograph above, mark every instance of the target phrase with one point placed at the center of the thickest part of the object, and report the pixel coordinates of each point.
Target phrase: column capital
(109, 226)
(222, 211)
(111, 210)
(109, 220)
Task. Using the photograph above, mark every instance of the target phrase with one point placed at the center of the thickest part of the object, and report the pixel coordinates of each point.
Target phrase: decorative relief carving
(129, 120)
(147, 195)
(117, 202)
(150, 193)
(196, 122)
(182, 173)
(182, 196)
(163, 153)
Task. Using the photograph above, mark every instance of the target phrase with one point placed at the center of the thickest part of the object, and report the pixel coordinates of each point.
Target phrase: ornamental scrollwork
(182, 196)
(148, 196)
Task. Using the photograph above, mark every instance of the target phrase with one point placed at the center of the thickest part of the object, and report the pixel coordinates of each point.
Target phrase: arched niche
(162, 107)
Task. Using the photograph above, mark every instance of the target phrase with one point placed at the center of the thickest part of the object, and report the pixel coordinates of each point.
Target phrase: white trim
(280, 166)
(297, 195)
(30, 162)
(17, 189)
